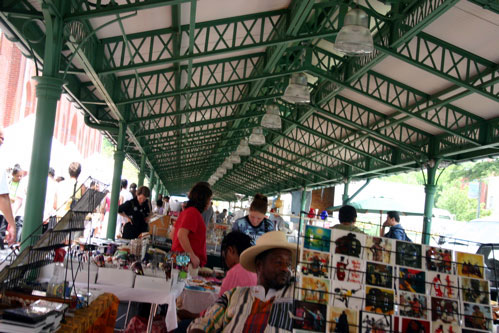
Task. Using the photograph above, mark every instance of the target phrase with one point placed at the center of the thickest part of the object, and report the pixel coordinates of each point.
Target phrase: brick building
(18, 108)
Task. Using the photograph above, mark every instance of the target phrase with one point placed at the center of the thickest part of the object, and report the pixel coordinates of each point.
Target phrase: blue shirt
(397, 232)
(243, 225)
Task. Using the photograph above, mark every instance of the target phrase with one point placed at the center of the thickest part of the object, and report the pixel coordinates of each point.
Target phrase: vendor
(255, 223)
(136, 213)
(190, 229)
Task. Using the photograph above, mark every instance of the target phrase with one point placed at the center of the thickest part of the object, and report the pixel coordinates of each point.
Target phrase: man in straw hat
(261, 308)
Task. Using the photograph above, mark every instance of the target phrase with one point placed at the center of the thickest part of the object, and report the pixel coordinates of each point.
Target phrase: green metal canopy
(186, 80)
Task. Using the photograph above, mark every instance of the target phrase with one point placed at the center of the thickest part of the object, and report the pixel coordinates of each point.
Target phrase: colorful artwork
(442, 284)
(444, 311)
(373, 322)
(317, 238)
(348, 269)
(342, 320)
(440, 327)
(348, 243)
(379, 275)
(315, 263)
(438, 260)
(477, 316)
(314, 290)
(408, 254)
(469, 265)
(379, 249)
(309, 316)
(410, 325)
(475, 291)
(347, 295)
(380, 300)
(412, 280)
(413, 305)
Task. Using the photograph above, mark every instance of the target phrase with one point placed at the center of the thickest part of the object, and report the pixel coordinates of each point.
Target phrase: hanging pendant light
(227, 165)
(243, 149)
(297, 91)
(272, 119)
(355, 38)
(257, 138)
(234, 159)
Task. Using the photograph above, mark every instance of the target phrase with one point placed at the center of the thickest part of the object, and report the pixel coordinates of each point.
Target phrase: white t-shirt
(126, 195)
(4, 186)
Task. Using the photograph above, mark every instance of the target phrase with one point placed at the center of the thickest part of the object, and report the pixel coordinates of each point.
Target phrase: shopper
(5, 205)
(255, 224)
(136, 213)
(347, 216)
(190, 230)
(396, 230)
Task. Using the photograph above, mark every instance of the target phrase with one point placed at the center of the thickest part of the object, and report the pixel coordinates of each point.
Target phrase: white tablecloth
(196, 301)
(144, 296)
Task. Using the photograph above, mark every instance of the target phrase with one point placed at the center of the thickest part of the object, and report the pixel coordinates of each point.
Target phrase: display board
(352, 282)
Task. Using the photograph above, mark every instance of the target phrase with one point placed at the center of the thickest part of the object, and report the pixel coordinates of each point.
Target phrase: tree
(454, 198)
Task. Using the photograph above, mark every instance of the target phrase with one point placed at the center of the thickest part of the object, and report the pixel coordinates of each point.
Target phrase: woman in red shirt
(190, 230)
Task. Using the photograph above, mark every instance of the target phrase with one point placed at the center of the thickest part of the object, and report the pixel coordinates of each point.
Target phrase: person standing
(255, 224)
(17, 194)
(190, 229)
(5, 205)
(125, 196)
(347, 216)
(208, 215)
(396, 230)
(69, 191)
(50, 201)
(136, 213)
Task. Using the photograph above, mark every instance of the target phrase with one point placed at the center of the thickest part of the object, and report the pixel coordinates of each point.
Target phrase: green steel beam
(446, 61)
(199, 123)
(491, 5)
(115, 8)
(247, 22)
(215, 109)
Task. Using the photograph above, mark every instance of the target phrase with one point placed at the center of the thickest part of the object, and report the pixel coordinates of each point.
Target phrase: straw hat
(269, 240)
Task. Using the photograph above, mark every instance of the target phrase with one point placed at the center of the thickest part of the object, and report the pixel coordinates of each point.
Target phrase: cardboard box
(158, 226)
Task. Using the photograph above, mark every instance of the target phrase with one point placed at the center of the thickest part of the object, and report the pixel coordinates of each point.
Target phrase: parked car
(470, 235)
(490, 254)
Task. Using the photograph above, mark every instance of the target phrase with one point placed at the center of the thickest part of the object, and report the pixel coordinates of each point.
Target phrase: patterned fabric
(249, 309)
(259, 316)
(243, 225)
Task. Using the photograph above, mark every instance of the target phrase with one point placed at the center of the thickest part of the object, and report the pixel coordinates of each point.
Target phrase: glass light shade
(355, 38)
(211, 182)
(222, 170)
(272, 119)
(234, 159)
(227, 165)
(297, 91)
(257, 138)
(243, 149)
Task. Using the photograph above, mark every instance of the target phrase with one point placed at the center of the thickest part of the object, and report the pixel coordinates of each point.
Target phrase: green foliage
(454, 198)
(478, 170)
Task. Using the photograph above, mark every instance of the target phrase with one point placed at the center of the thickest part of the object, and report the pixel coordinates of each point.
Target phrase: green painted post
(48, 92)
(142, 171)
(345, 199)
(430, 189)
(119, 157)
(302, 209)
(152, 181)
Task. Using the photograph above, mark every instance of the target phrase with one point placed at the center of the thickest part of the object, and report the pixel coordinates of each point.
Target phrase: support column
(345, 199)
(158, 186)
(430, 189)
(303, 205)
(142, 171)
(48, 92)
(119, 157)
